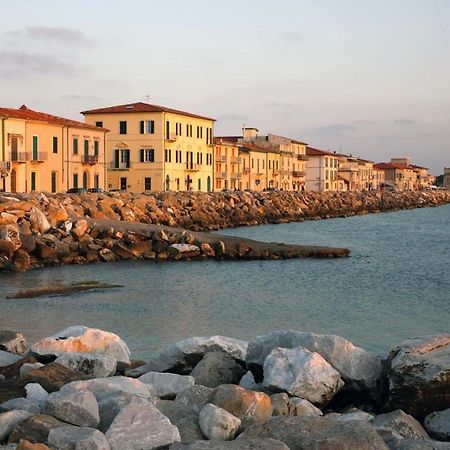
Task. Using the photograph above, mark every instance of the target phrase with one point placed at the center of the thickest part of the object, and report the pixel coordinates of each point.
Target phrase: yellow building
(228, 163)
(379, 179)
(322, 170)
(42, 152)
(365, 174)
(154, 148)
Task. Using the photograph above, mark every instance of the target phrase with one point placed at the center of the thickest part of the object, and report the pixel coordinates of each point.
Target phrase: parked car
(76, 190)
(96, 190)
(117, 190)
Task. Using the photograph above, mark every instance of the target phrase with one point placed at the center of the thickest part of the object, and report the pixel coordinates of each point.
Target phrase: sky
(368, 78)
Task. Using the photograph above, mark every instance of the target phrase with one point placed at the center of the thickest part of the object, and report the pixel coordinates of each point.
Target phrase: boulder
(139, 426)
(29, 367)
(81, 339)
(217, 368)
(38, 221)
(418, 444)
(353, 414)
(248, 381)
(194, 398)
(77, 438)
(419, 375)
(218, 424)
(281, 404)
(360, 370)
(35, 428)
(437, 424)
(9, 419)
(301, 407)
(13, 342)
(398, 425)
(7, 358)
(249, 406)
(301, 373)
(250, 444)
(316, 433)
(167, 384)
(77, 408)
(93, 365)
(21, 403)
(11, 233)
(27, 445)
(36, 393)
(52, 377)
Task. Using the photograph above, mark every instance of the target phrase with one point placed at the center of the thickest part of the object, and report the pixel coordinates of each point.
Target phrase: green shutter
(96, 148)
(35, 148)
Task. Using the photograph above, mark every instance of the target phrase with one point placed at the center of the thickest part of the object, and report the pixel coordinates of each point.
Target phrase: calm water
(396, 284)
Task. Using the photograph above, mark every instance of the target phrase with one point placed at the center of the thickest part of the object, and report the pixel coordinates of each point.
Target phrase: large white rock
(38, 221)
(94, 365)
(438, 425)
(77, 438)
(301, 373)
(217, 424)
(81, 339)
(9, 419)
(167, 384)
(7, 358)
(20, 403)
(36, 393)
(12, 341)
(141, 426)
(106, 387)
(77, 407)
(359, 369)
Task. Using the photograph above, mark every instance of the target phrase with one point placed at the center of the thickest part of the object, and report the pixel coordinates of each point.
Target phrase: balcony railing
(119, 166)
(222, 158)
(302, 158)
(39, 156)
(236, 159)
(298, 173)
(221, 175)
(172, 137)
(89, 159)
(193, 167)
(236, 176)
(20, 156)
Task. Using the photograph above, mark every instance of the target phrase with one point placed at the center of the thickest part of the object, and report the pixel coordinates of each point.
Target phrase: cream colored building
(322, 170)
(228, 163)
(379, 179)
(154, 148)
(43, 152)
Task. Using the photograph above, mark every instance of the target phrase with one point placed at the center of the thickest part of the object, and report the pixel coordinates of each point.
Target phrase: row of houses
(141, 147)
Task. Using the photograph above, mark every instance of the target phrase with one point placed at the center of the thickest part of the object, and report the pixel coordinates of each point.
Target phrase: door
(123, 183)
(14, 149)
(13, 181)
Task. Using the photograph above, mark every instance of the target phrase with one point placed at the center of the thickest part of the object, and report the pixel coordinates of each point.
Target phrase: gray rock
(27, 368)
(194, 398)
(301, 407)
(281, 404)
(217, 368)
(419, 377)
(250, 444)
(9, 419)
(13, 342)
(301, 373)
(77, 408)
(359, 369)
(357, 415)
(36, 393)
(77, 438)
(399, 425)
(88, 340)
(218, 424)
(167, 384)
(23, 404)
(248, 381)
(438, 425)
(93, 365)
(316, 433)
(106, 387)
(8, 447)
(7, 358)
(418, 444)
(139, 426)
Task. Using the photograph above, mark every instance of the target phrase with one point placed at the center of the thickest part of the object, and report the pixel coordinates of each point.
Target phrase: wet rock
(301, 373)
(91, 364)
(21, 403)
(167, 384)
(53, 376)
(69, 437)
(217, 368)
(218, 424)
(249, 406)
(419, 375)
(35, 428)
(77, 408)
(13, 342)
(437, 424)
(9, 419)
(80, 339)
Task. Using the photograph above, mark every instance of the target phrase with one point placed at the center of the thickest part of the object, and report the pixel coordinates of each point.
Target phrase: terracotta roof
(419, 167)
(226, 140)
(28, 114)
(310, 151)
(141, 107)
(391, 166)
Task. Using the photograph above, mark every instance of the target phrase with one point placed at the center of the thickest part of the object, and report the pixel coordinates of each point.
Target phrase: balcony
(89, 159)
(39, 157)
(172, 137)
(222, 158)
(5, 166)
(193, 167)
(120, 166)
(298, 173)
(236, 159)
(302, 158)
(235, 176)
(221, 175)
(20, 157)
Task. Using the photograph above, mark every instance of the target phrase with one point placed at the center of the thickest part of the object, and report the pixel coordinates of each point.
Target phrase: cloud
(334, 129)
(232, 117)
(59, 34)
(14, 63)
(81, 98)
(280, 105)
(405, 123)
(364, 123)
(293, 37)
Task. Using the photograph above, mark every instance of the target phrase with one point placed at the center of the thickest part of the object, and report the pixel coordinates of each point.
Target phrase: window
(86, 147)
(75, 180)
(96, 146)
(168, 155)
(55, 144)
(122, 159)
(99, 124)
(123, 127)
(147, 155)
(178, 156)
(199, 184)
(35, 148)
(96, 181)
(54, 175)
(75, 146)
(198, 158)
(33, 181)
(178, 129)
(147, 184)
(147, 127)
(167, 129)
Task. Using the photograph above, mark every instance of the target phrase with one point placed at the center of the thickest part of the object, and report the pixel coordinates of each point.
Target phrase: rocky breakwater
(39, 231)
(80, 389)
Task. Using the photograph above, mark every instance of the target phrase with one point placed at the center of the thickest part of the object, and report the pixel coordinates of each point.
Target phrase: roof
(391, 166)
(419, 167)
(256, 148)
(310, 151)
(140, 107)
(28, 114)
(226, 140)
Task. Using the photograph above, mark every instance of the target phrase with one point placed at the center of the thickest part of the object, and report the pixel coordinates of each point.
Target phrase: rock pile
(284, 390)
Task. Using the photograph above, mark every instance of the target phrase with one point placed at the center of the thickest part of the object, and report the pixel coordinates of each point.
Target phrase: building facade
(322, 170)
(155, 148)
(228, 163)
(447, 178)
(42, 152)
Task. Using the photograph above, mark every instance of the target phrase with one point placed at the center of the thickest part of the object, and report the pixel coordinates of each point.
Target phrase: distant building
(228, 165)
(43, 152)
(322, 170)
(447, 178)
(155, 148)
